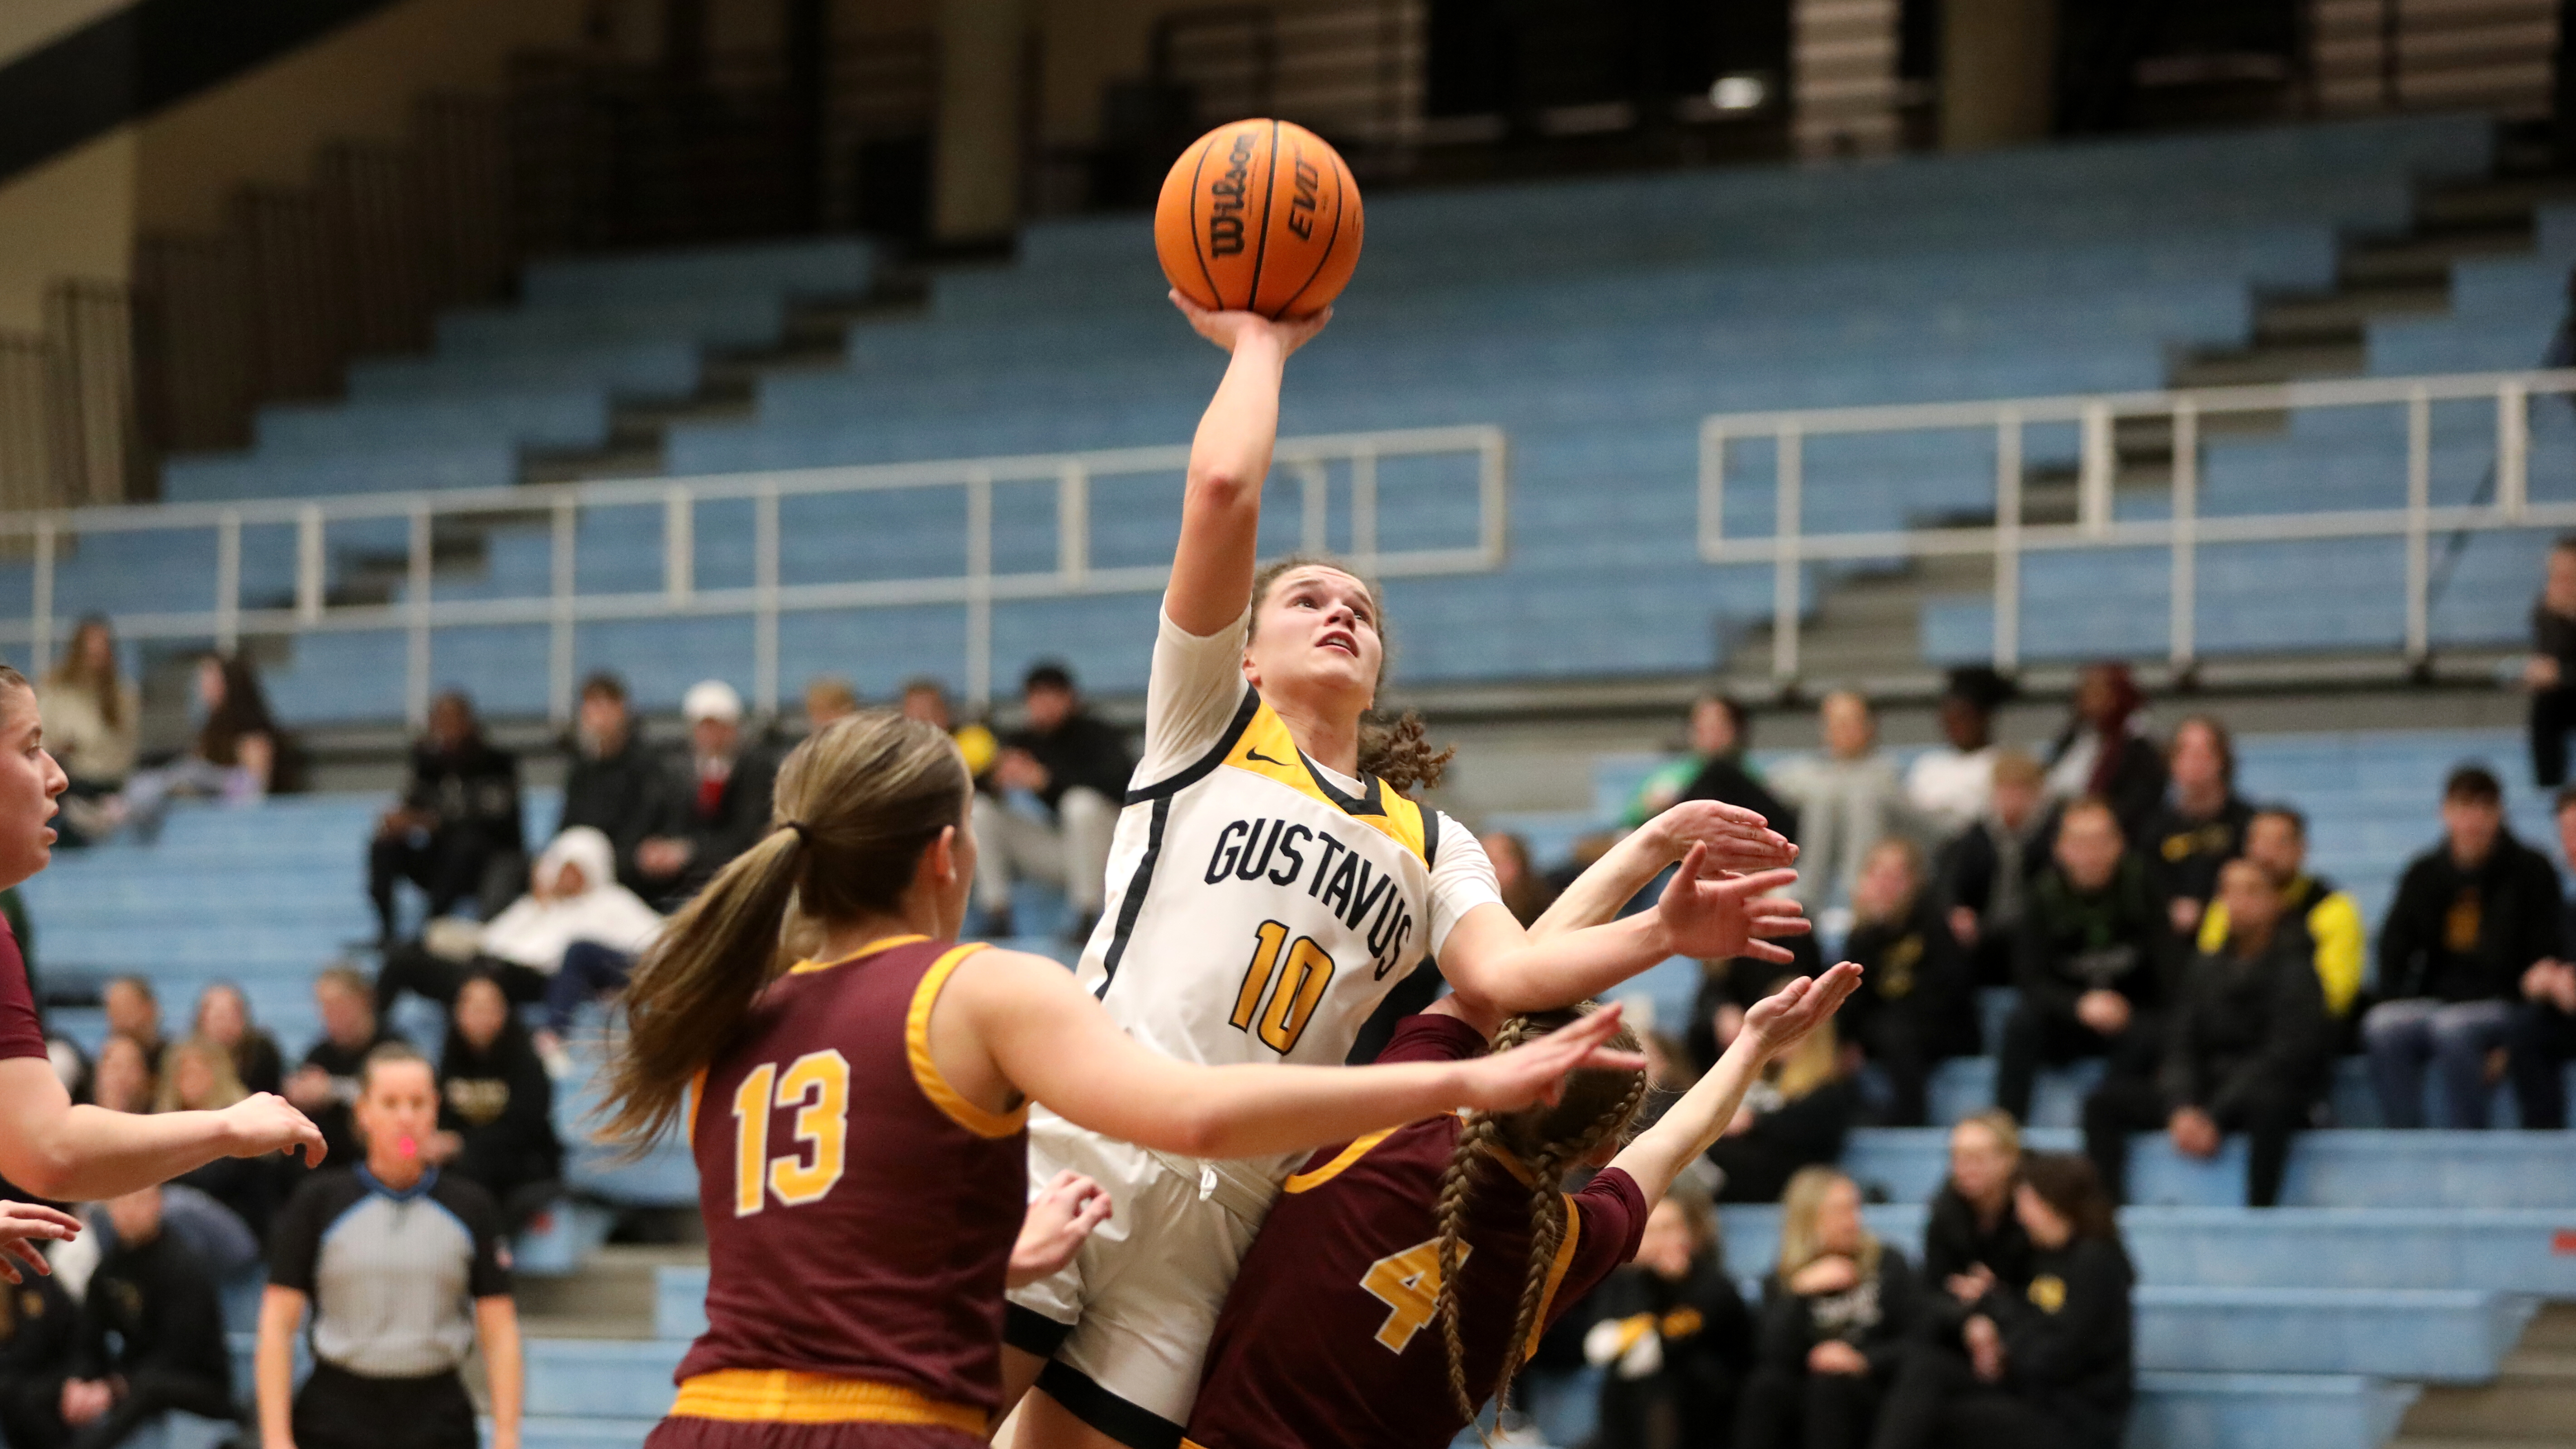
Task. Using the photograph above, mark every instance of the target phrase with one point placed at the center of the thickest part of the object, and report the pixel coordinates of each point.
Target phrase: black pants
(2124, 1104)
(1906, 1046)
(1939, 1403)
(2034, 1035)
(1784, 1410)
(452, 865)
(149, 1394)
(2538, 1045)
(2553, 716)
(337, 1409)
(424, 972)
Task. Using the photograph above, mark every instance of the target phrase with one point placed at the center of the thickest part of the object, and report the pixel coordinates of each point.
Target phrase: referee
(403, 1268)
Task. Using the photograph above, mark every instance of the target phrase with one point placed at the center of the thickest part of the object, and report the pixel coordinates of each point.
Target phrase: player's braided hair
(1400, 754)
(1546, 1140)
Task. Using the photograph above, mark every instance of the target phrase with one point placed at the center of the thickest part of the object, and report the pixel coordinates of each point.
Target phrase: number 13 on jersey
(817, 1086)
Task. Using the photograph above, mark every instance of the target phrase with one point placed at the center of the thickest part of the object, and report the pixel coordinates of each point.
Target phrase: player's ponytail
(1542, 1141)
(854, 808)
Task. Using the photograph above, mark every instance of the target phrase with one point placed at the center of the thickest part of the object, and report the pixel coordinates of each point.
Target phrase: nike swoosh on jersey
(1265, 759)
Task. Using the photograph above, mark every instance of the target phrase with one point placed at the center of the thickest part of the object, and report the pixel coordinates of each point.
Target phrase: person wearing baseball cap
(716, 802)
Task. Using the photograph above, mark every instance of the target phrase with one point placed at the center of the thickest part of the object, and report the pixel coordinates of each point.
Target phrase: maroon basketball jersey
(860, 1213)
(1328, 1336)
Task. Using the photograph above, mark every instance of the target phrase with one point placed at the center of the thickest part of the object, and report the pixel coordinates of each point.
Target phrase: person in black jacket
(1836, 1317)
(715, 799)
(1077, 767)
(2543, 1037)
(1719, 734)
(2092, 960)
(37, 1323)
(2470, 919)
(1801, 1110)
(2550, 673)
(496, 1105)
(326, 1083)
(615, 785)
(2048, 1367)
(1973, 1243)
(159, 1306)
(457, 833)
(2245, 1049)
(1915, 1005)
(1673, 1333)
(2201, 823)
(1987, 873)
(2102, 753)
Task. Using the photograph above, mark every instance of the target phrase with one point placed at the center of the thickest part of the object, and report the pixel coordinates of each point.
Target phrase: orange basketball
(1259, 216)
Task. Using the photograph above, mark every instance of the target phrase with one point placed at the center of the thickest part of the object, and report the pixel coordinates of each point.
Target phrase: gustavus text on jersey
(1278, 853)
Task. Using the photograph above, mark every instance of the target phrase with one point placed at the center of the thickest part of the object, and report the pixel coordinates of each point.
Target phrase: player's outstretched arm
(1776, 1023)
(86, 1154)
(1046, 1037)
(1230, 456)
(1503, 971)
(1737, 839)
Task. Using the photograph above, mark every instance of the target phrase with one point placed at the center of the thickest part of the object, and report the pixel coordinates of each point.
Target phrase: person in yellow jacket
(2277, 840)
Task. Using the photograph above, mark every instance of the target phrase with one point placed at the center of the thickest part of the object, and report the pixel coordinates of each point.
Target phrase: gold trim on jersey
(808, 968)
(1358, 1149)
(785, 1396)
(1556, 1273)
(925, 1071)
(1268, 750)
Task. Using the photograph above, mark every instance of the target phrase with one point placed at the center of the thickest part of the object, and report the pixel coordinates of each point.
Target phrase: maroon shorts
(741, 1434)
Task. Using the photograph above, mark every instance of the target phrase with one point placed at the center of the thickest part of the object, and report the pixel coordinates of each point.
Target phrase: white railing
(2095, 419)
(1310, 462)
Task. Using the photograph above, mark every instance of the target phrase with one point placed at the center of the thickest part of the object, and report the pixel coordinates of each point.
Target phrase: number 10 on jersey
(1308, 970)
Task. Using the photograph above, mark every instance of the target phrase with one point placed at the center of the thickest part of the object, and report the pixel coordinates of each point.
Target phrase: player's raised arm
(1737, 839)
(1229, 458)
(1776, 1023)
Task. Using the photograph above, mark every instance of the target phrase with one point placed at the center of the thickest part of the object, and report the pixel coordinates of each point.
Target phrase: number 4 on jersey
(1408, 1283)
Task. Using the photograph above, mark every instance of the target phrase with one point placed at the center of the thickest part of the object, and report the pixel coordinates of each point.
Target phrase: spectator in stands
(2048, 1367)
(1729, 988)
(1525, 892)
(134, 1012)
(2245, 1050)
(2470, 918)
(239, 755)
(2544, 1025)
(2092, 960)
(1673, 1333)
(223, 1017)
(2550, 673)
(38, 1322)
(716, 798)
(1797, 1116)
(927, 700)
(456, 833)
(1076, 766)
(828, 701)
(2277, 840)
(1915, 1005)
(496, 1106)
(93, 726)
(122, 1080)
(573, 896)
(1836, 1316)
(1951, 785)
(1973, 1241)
(1848, 799)
(149, 1339)
(398, 1295)
(2103, 753)
(327, 1082)
(199, 1077)
(1990, 868)
(615, 784)
(1715, 769)
(2201, 824)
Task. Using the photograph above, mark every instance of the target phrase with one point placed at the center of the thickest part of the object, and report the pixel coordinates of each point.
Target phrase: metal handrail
(1789, 546)
(976, 585)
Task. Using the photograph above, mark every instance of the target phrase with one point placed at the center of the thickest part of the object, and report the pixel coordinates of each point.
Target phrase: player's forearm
(1610, 882)
(89, 1154)
(1221, 507)
(504, 1368)
(1545, 973)
(1694, 1123)
(1259, 1111)
(273, 1370)
(1241, 424)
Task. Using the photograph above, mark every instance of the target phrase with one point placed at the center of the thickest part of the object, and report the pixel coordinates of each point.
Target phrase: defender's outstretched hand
(264, 1123)
(1782, 1019)
(1060, 1219)
(21, 1225)
(1228, 329)
(1713, 919)
(1737, 839)
(1535, 1071)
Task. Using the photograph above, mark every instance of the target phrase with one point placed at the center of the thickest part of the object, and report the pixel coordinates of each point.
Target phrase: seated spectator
(1836, 1316)
(2049, 1366)
(1077, 768)
(496, 1106)
(1990, 867)
(2201, 824)
(715, 799)
(1525, 892)
(2544, 1025)
(1729, 988)
(134, 1012)
(2245, 1049)
(2092, 961)
(927, 700)
(1973, 1242)
(2276, 838)
(1848, 798)
(615, 784)
(456, 834)
(1673, 1332)
(2470, 919)
(150, 1339)
(93, 721)
(2550, 673)
(199, 1077)
(828, 701)
(573, 896)
(223, 1017)
(1915, 1005)
(1714, 769)
(122, 1079)
(1951, 786)
(1797, 1116)
(327, 1082)
(38, 1322)
(2103, 754)
(239, 756)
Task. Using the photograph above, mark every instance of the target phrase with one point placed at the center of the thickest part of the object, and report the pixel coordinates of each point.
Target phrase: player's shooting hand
(22, 1224)
(1737, 838)
(1229, 329)
(261, 1124)
(1535, 1071)
(1782, 1019)
(1059, 1220)
(1714, 919)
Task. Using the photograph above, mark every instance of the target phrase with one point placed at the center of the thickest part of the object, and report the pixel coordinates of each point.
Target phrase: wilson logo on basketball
(1225, 217)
